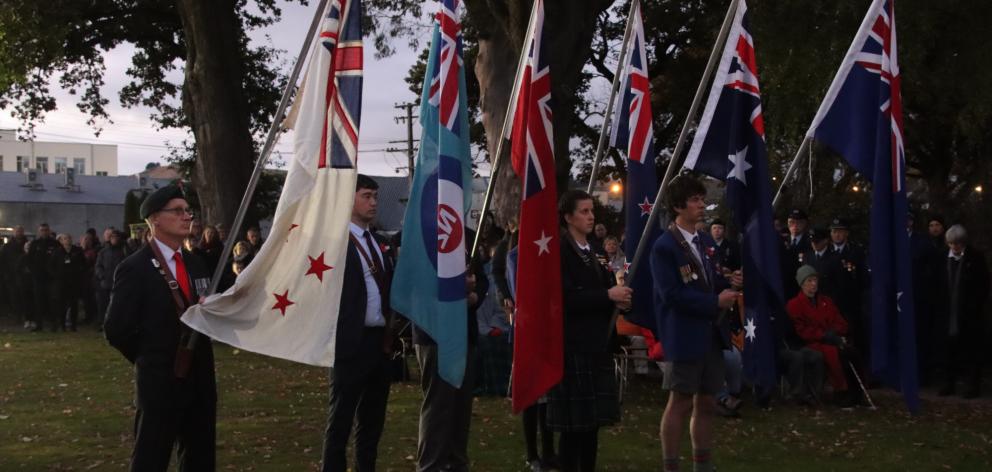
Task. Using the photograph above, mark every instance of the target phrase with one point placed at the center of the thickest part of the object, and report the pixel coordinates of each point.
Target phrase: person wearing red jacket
(818, 322)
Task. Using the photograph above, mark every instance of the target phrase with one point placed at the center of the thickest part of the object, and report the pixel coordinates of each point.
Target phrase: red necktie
(181, 277)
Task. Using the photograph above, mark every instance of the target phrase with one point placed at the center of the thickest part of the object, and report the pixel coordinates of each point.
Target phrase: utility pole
(409, 136)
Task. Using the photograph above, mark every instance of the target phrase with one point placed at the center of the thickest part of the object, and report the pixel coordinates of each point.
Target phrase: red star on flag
(645, 206)
(626, 266)
(282, 302)
(318, 267)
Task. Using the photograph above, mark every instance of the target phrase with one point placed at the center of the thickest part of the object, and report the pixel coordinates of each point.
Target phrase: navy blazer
(686, 311)
(354, 299)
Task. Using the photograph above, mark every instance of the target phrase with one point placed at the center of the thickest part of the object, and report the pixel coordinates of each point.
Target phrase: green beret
(159, 199)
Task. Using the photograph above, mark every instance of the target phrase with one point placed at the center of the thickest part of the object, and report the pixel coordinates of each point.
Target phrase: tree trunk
(569, 31)
(216, 106)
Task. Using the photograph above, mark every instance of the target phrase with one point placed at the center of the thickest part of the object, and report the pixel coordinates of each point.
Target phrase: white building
(54, 157)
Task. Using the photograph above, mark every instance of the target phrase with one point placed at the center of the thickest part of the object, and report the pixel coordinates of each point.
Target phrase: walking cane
(871, 404)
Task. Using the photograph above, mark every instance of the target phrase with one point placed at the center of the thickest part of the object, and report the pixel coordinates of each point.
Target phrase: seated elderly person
(818, 322)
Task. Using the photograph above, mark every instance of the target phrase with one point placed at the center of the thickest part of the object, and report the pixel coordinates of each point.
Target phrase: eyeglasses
(179, 211)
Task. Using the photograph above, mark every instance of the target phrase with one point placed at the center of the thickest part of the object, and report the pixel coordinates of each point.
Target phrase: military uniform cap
(838, 223)
(159, 199)
(798, 214)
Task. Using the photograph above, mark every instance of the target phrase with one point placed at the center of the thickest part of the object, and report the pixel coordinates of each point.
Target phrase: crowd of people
(822, 332)
(48, 278)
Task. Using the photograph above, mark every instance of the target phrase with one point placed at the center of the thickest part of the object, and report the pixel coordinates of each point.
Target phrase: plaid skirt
(586, 398)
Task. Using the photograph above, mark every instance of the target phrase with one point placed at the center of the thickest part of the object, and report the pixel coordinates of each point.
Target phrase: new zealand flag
(730, 145)
(861, 119)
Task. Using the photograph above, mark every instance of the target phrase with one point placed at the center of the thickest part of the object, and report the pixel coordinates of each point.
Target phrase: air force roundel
(443, 230)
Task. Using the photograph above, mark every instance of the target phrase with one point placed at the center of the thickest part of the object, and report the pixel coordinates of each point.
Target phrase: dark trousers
(181, 416)
(358, 395)
(445, 415)
(963, 359)
(43, 311)
(102, 302)
(804, 372)
(67, 307)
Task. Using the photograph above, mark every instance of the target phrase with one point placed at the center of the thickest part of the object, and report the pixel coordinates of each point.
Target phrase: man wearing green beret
(176, 394)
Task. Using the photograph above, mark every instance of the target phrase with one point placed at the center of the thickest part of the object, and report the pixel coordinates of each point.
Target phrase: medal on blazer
(687, 274)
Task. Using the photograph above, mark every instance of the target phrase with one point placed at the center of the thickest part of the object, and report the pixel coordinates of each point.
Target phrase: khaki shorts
(704, 376)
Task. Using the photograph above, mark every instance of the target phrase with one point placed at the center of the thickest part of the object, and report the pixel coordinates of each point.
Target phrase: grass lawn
(65, 404)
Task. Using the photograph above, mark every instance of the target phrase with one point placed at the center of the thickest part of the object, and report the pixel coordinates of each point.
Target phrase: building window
(80, 165)
(41, 163)
(101, 173)
(60, 165)
(23, 163)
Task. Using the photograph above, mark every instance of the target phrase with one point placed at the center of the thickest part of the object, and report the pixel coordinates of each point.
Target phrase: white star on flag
(741, 165)
(542, 244)
(751, 329)
(898, 300)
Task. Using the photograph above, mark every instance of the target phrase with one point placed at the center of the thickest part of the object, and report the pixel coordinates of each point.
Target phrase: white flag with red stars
(285, 303)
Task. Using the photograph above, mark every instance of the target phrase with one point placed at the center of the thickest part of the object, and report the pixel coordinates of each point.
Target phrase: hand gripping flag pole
(634, 5)
(270, 142)
(502, 134)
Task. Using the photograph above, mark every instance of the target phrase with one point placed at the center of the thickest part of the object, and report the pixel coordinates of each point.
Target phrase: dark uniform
(844, 278)
(143, 324)
(793, 253)
(39, 253)
(12, 257)
(66, 269)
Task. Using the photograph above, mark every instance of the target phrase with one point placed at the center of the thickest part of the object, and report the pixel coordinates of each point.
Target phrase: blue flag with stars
(730, 145)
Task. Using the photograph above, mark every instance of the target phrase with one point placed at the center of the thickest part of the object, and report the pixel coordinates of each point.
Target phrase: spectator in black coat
(39, 253)
(67, 267)
(963, 287)
(106, 263)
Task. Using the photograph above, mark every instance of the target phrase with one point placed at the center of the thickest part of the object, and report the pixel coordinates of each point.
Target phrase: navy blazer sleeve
(679, 297)
(121, 326)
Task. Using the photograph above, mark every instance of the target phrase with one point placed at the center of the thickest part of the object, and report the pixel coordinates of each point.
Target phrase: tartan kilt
(586, 398)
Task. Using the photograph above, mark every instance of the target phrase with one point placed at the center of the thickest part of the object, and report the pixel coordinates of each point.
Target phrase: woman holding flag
(586, 398)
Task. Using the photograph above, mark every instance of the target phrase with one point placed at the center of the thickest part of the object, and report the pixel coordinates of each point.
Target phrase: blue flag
(861, 119)
(633, 131)
(429, 282)
(730, 145)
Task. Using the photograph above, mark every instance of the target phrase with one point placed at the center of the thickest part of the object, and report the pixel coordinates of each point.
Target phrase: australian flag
(730, 145)
(861, 119)
(633, 132)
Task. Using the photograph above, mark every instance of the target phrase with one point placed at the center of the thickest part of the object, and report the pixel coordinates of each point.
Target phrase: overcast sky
(139, 143)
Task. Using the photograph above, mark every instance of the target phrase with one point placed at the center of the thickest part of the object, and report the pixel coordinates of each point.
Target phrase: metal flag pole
(792, 167)
(696, 101)
(607, 118)
(263, 158)
(502, 131)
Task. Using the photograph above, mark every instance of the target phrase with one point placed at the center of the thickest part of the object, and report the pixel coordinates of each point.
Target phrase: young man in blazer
(688, 303)
(176, 393)
(359, 380)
